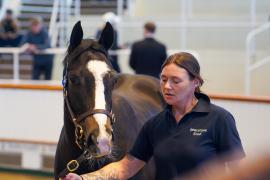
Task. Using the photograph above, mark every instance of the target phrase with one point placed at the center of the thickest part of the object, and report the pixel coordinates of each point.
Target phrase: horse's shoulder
(138, 92)
(136, 83)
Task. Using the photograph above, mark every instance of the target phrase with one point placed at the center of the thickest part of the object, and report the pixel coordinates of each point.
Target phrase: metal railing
(61, 51)
(250, 54)
(63, 8)
(17, 51)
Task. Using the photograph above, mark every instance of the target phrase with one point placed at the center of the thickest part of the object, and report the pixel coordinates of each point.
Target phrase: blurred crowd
(35, 39)
(147, 55)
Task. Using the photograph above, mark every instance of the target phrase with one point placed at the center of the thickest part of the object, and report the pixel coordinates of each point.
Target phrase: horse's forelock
(84, 45)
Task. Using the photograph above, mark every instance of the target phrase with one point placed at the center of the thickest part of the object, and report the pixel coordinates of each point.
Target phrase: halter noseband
(77, 120)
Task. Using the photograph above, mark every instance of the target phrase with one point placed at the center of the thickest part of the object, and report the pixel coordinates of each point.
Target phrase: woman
(187, 133)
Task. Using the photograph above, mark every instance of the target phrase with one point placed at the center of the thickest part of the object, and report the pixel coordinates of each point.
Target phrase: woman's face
(176, 85)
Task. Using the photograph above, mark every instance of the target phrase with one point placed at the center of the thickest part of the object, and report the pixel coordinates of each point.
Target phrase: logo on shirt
(197, 132)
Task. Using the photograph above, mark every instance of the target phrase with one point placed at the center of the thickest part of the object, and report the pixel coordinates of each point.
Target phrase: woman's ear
(196, 82)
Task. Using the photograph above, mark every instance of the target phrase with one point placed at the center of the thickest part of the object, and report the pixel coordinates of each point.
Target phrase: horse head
(88, 81)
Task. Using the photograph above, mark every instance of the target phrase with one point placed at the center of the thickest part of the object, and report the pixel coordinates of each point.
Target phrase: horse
(103, 110)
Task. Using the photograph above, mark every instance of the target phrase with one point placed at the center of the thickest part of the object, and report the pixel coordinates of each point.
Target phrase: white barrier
(37, 114)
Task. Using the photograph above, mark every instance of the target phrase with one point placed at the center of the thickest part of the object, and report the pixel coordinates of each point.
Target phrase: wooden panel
(47, 162)
(10, 159)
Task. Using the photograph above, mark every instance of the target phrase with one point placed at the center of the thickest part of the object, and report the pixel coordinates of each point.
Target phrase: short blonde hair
(36, 20)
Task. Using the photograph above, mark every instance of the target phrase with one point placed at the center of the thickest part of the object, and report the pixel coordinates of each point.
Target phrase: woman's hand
(72, 176)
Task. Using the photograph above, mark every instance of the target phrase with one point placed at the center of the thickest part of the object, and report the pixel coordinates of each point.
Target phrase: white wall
(31, 114)
(252, 121)
(38, 115)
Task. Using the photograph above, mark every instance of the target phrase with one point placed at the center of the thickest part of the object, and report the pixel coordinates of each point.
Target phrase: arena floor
(12, 176)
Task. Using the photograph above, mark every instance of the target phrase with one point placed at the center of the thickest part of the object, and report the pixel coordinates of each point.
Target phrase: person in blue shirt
(38, 39)
(188, 133)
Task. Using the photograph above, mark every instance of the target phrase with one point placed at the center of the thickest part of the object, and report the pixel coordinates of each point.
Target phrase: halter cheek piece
(77, 120)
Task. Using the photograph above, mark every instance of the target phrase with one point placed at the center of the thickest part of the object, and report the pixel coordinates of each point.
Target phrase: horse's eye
(75, 80)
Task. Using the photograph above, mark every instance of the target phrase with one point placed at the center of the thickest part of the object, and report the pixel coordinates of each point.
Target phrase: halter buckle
(72, 165)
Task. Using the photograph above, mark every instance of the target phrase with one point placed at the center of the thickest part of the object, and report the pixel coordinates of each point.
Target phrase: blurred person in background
(113, 19)
(38, 39)
(189, 132)
(255, 168)
(9, 31)
(148, 55)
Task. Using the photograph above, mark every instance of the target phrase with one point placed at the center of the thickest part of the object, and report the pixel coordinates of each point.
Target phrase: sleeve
(227, 137)
(46, 43)
(25, 39)
(15, 26)
(132, 57)
(164, 54)
(1, 29)
(142, 148)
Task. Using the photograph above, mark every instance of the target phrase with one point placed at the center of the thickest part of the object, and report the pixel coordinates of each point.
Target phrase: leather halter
(77, 120)
(79, 137)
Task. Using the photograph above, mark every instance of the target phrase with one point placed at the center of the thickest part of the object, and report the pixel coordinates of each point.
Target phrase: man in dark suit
(148, 55)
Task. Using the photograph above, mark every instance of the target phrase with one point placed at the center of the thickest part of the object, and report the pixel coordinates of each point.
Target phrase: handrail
(77, 8)
(54, 86)
(15, 52)
(24, 141)
(250, 50)
(20, 50)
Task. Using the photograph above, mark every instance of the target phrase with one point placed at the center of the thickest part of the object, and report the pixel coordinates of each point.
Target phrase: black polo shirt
(207, 131)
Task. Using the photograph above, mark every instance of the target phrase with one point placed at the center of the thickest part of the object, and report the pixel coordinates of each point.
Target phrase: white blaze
(99, 70)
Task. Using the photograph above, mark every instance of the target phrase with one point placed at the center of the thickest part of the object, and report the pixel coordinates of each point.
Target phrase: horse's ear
(107, 36)
(76, 35)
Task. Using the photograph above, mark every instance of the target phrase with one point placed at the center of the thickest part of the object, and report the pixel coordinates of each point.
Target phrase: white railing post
(250, 53)
(77, 10)
(16, 69)
(247, 65)
(253, 17)
(190, 8)
(53, 18)
(130, 7)
(120, 4)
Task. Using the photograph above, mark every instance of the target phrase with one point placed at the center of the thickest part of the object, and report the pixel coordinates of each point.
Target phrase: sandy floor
(10, 176)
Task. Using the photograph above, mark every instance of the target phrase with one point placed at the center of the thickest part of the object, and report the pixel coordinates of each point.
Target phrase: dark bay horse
(103, 110)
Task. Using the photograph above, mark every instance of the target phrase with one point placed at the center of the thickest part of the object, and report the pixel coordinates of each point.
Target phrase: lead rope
(74, 164)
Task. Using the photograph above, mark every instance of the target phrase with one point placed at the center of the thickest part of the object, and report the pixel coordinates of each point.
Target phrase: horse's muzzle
(99, 147)
(104, 147)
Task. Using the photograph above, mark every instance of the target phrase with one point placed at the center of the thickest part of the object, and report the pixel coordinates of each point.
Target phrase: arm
(234, 165)
(2, 32)
(46, 43)
(25, 39)
(132, 57)
(123, 169)
(14, 34)
(228, 142)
